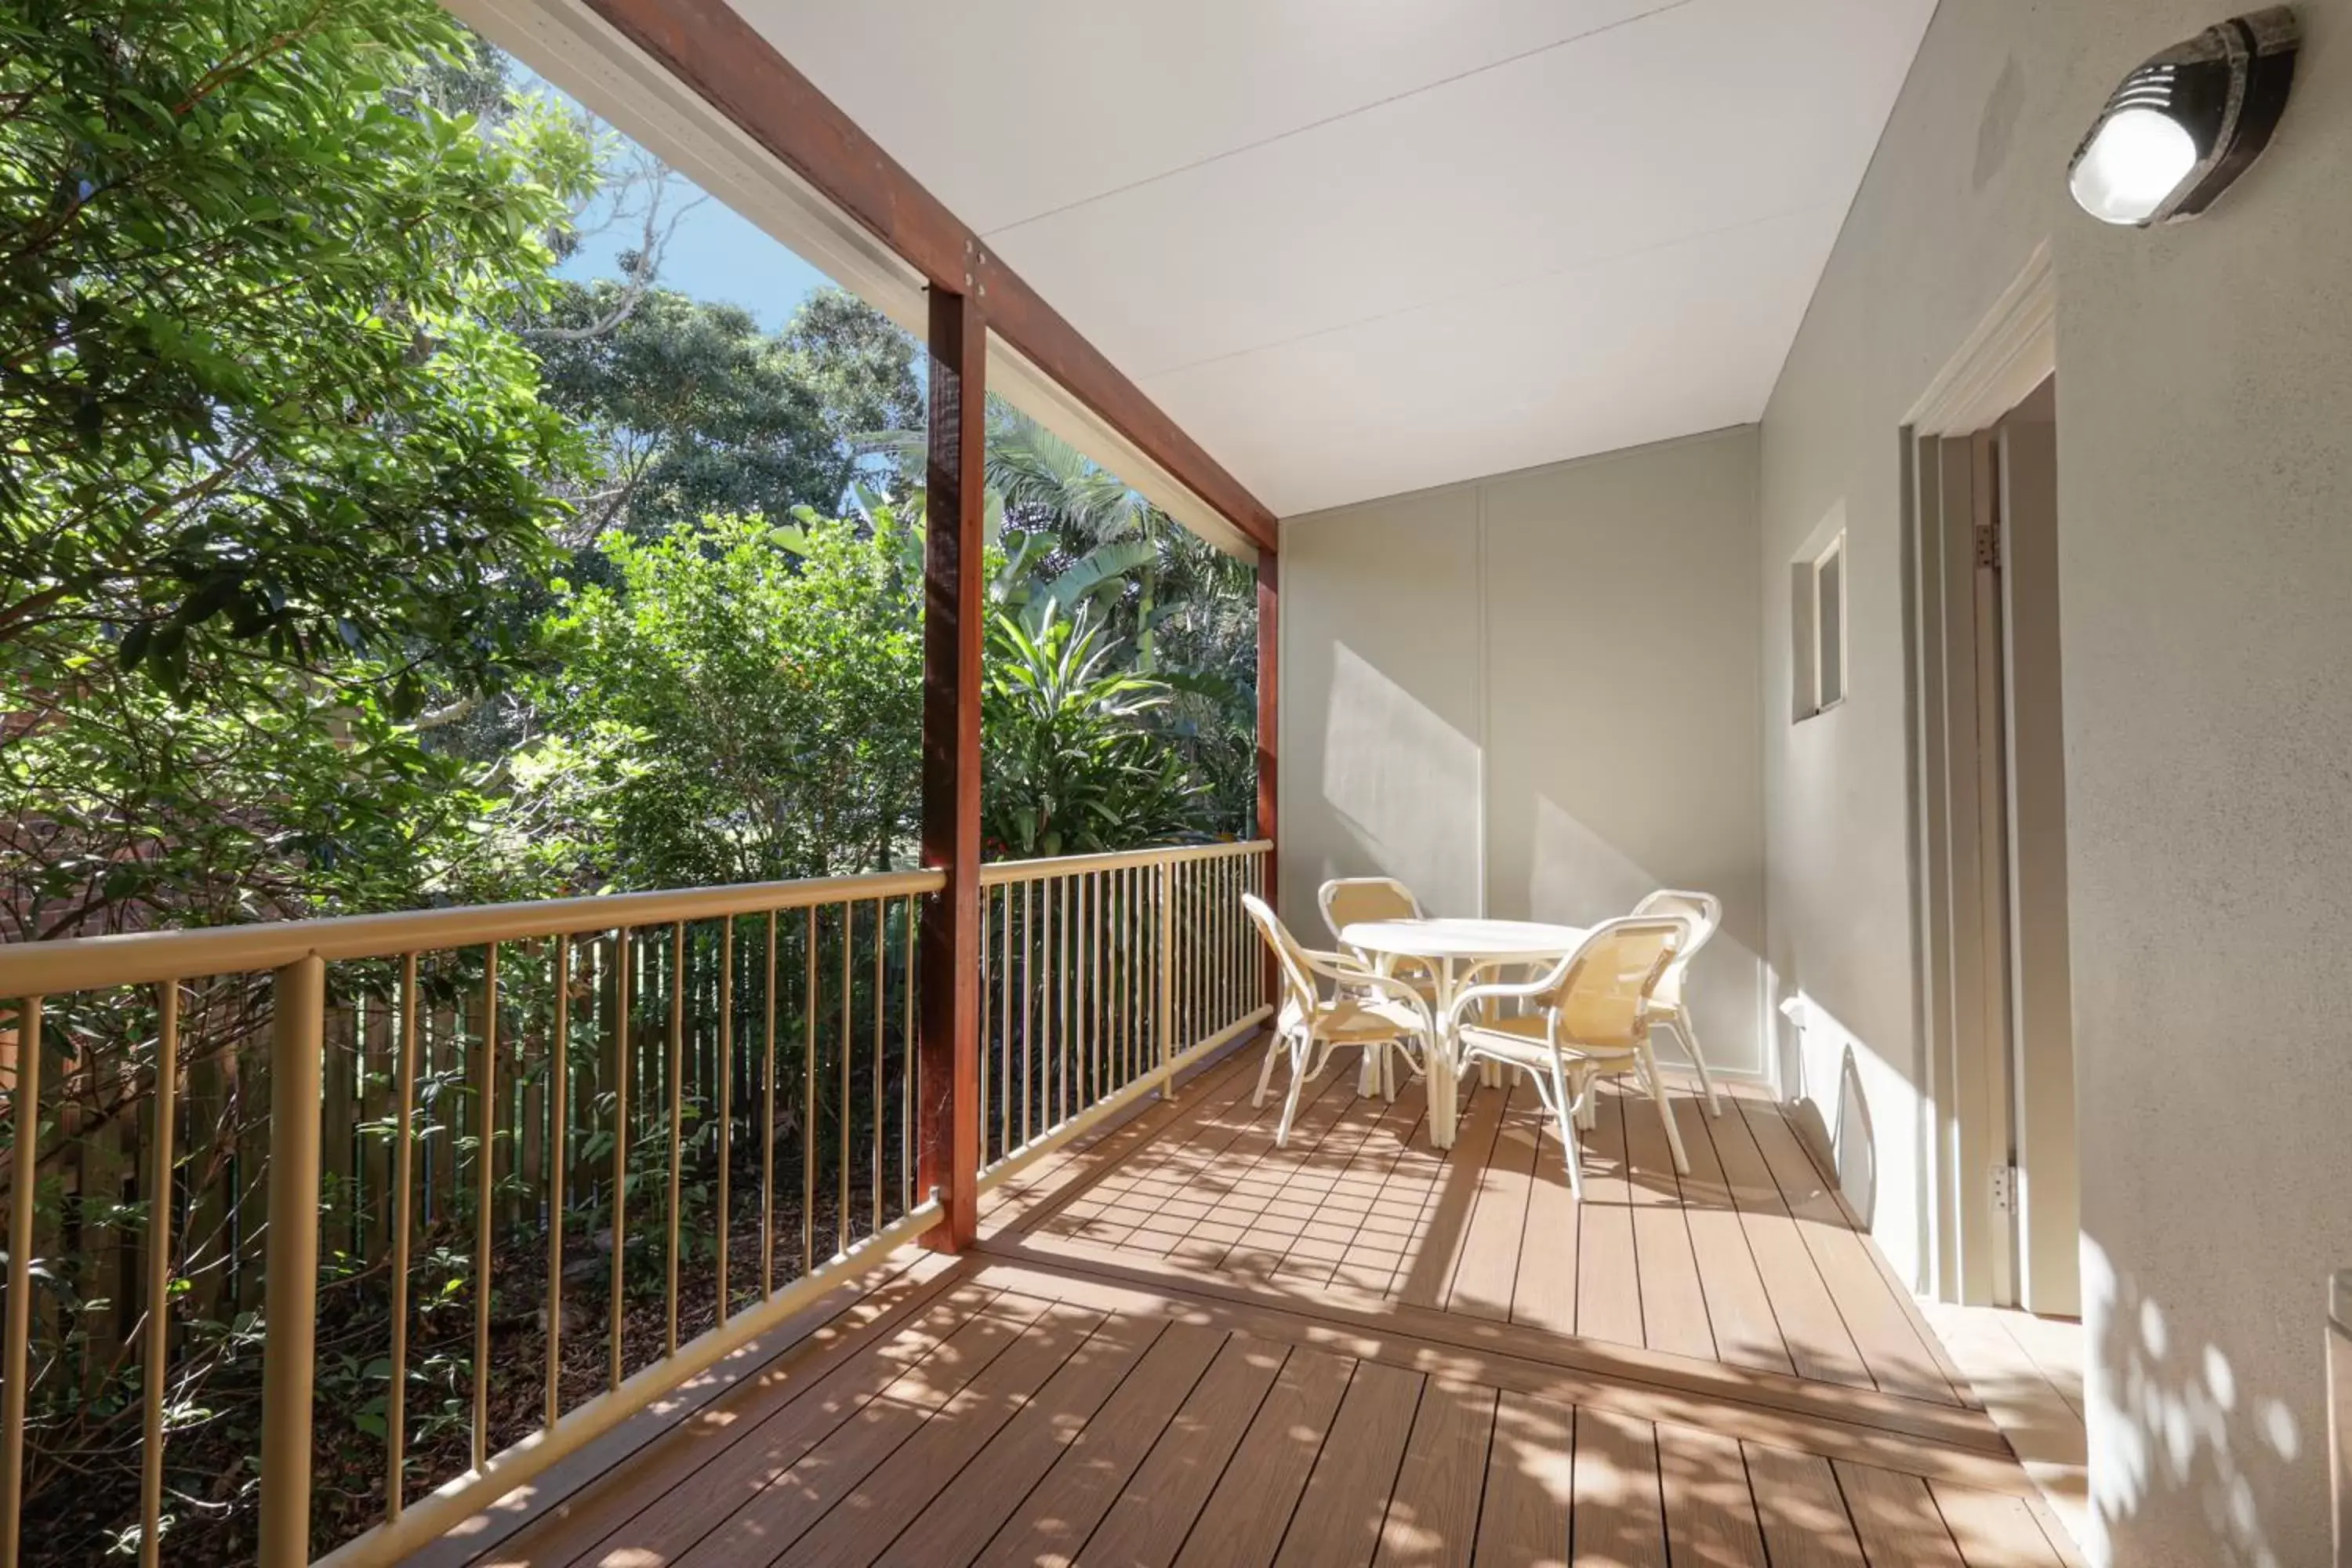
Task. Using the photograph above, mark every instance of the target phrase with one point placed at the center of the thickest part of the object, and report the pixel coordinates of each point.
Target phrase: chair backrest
(1705, 912)
(1605, 986)
(1347, 901)
(1298, 979)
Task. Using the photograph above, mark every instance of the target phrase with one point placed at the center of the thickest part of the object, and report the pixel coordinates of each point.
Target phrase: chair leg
(1299, 1055)
(1275, 1047)
(1681, 1025)
(1564, 1111)
(1665, 1112)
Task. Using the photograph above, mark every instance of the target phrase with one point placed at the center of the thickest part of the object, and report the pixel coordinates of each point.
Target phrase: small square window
(1827, 643)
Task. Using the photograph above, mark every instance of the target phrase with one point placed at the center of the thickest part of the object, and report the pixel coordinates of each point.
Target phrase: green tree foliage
(272, 458)
(865, 367)
(1071, 767)
(269, 456)
(257, 407)
(1078, 541)
(1173, 606)
(695, 409)
(744, 704)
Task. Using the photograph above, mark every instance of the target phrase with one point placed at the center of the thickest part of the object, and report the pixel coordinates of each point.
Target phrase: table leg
(1369, 1069)
(1491, 1073)
(1444, 1108)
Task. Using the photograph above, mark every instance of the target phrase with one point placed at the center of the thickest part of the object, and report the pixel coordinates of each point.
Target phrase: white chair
(1590, 1018)
(1349, 900)
(1667, 1004)
(1372, 1011)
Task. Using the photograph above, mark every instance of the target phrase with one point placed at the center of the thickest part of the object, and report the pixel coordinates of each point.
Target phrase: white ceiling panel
(1359, 245)
(1011, 109)
(1619, 352)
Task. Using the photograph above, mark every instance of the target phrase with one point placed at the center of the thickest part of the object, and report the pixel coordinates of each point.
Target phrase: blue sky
(712, 255)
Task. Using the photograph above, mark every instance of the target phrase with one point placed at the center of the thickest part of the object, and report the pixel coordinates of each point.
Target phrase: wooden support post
(948, 1066)
(1269, 734)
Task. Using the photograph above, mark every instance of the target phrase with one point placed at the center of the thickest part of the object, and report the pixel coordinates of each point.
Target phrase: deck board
(1739, 1308)
(1896, 1520)
(1812, 1328)
(1488, 1272)
(781, 1505)
(855, 1530)
(1608, 1267)
(1146, 1527)
(1243, 1524)
(1802, 1511)
(1432, 1517)
(1083, 1485)
(961, 1515)
(1337, 1523)
(1710, 1503)
(1523, 1521)
(1545, 1295)
(1674, 1302)
(1366, 1257)
(823, 1383)
(1190, 1346)
(1887, 1329)
(1618, 1519)
(1425, 1276)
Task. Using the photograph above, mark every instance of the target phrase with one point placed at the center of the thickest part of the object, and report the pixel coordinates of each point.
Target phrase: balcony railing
(1101, 974)
(426, 1200)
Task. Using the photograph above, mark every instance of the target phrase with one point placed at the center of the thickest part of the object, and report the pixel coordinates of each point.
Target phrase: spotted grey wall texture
(2205, 471)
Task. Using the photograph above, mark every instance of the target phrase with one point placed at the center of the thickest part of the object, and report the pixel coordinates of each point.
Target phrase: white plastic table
(1455, 950)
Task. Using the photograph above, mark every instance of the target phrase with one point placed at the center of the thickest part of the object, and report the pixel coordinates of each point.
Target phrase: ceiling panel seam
(1344, 115)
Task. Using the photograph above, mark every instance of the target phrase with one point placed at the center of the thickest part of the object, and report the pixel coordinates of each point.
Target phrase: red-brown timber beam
(1269, 734)
(722, 58)
(948, 1042)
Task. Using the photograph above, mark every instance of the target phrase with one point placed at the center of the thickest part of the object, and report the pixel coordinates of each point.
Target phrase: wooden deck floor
(1183, 1346)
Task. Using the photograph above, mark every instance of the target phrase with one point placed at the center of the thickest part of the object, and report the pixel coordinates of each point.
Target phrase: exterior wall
(1534, 697)
(2204, 457)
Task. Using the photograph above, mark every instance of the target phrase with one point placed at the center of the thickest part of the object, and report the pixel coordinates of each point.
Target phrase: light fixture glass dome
(2135, 160)
(2179, 129)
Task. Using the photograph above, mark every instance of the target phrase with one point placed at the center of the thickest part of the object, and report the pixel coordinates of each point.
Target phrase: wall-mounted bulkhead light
(2186, 123)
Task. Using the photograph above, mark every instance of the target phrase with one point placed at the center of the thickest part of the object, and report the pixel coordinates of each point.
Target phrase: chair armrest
(1339, 967)
(1499, 990)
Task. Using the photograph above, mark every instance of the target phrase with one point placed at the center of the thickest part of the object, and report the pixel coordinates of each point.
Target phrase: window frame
(1835, 551)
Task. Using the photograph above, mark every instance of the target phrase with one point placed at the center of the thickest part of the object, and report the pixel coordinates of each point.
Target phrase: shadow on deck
(1178, 1344)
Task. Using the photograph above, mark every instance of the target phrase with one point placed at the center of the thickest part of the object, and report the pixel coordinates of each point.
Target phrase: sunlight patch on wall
(1406, 783)
(1577, 876)
(1864, 1112)
(2168, 1418)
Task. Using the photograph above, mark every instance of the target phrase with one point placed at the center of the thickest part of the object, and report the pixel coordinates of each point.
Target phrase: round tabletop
(1485, 941)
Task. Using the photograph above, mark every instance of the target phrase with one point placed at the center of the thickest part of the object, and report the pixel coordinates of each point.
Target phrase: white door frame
(1991, 1237)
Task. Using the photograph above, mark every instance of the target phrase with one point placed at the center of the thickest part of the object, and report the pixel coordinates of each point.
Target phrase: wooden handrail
(996, 873)
(146, 958)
